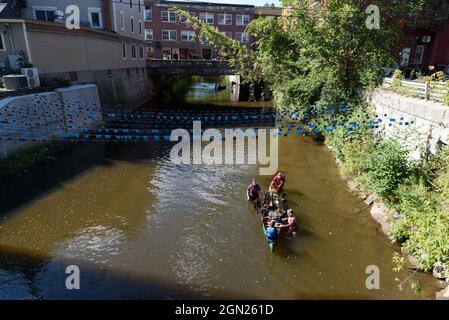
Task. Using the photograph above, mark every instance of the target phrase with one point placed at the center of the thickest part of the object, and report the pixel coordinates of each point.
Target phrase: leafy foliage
(387, 167)
(313, 55)
(418, 191)
(26, 159)
(398, 76)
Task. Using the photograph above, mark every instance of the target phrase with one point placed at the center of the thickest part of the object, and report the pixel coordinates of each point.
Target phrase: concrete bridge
(189, 67)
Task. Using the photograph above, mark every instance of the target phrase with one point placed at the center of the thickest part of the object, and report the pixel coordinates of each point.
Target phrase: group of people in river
(273, 216)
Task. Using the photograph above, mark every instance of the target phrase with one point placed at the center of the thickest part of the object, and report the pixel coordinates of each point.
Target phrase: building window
(122, 20)
(227, 34)
(166, 53)
(168, 16)
(169, 35)
(148, 34)
(150, 53)
(2, 42)
(242, 19)
(95, 17)
(207, 17)
(183, 19)
(140, 6)
(45, 13)
(132, 24)
(148, 14)
(133, 52)
(225, 18)
(242, 37)
(131, 3)
(140, 26)
(187, 35)
(124, 53)
(141, 53)
(419, 53)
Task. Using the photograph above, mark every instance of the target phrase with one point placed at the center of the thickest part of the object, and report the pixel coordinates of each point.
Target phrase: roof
(205, 4)
(6, 12)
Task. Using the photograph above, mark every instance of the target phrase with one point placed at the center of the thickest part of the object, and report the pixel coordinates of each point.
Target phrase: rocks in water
(443, 294)
(440, 270)
(351, 185)
(379, 213)
(362, 196)
(370, 199)
(413, 262)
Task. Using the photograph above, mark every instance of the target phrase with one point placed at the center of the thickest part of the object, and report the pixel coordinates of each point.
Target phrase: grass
(27, 158)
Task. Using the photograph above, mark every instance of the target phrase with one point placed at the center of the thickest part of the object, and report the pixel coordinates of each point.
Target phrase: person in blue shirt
(272, 232)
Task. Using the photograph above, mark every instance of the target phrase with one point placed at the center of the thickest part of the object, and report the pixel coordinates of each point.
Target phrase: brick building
(425, 41)
(169, 37)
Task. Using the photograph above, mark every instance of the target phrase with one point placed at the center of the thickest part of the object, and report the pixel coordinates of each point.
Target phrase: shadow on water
(25, 276)
(76, 160)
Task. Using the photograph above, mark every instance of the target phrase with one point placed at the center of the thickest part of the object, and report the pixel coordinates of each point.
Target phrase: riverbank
(408, 197)
(386, 218)
(23, 161)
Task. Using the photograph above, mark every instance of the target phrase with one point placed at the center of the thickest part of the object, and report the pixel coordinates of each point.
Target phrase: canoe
(280, 206)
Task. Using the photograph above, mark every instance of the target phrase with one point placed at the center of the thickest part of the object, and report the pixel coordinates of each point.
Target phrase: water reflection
(177, 90)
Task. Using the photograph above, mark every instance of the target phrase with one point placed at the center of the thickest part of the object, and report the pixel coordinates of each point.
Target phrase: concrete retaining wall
(129, 87)
(430, 119)
(28, 119)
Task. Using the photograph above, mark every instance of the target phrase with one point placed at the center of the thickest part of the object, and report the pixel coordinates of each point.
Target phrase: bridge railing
(189, 62)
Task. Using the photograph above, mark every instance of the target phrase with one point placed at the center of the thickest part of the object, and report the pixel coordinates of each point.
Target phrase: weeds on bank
(26, 159)
(417, 189)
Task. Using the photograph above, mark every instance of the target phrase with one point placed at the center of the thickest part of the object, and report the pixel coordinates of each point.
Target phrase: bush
(422, 202)
(446, 94)
(397, 77)
(437, 76)
(387, 167)
(428, 240)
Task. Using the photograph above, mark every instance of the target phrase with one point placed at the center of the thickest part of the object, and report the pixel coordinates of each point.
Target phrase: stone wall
(30, 119)
(430, 119)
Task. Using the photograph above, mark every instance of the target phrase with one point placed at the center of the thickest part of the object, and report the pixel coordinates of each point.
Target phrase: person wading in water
(279, 181)
(253, 194)
(291, 223)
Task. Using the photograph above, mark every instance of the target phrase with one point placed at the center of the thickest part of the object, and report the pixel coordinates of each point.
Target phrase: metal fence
(434, 91)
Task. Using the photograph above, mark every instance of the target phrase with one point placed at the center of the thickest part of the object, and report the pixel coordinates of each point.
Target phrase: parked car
(390, 70)
(446, 72)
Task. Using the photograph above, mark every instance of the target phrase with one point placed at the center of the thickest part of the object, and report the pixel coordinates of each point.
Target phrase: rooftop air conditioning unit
(32, 75)
(426, 39)
(15, 81)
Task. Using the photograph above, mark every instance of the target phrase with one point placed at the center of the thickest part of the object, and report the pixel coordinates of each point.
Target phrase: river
(139, 226)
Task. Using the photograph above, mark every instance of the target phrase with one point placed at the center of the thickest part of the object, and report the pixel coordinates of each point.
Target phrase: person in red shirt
(279, 180)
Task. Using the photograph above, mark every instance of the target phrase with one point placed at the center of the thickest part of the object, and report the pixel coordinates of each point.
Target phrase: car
(390, 70)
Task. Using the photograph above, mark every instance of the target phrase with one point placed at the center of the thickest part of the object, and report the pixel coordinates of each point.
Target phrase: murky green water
(139, 226)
